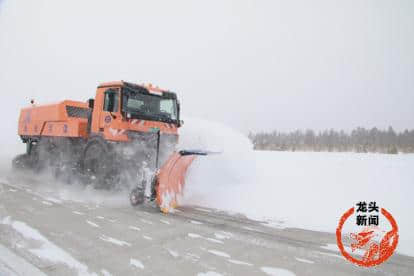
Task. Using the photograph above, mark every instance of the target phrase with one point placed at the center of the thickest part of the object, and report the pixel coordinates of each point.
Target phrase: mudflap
(171, 179)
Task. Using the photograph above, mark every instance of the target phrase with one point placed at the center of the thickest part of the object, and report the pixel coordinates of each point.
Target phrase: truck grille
(146, 143)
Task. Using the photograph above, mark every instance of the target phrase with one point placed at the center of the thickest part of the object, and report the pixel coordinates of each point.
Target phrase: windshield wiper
(137, 111)
(154, 116)
(165, 117)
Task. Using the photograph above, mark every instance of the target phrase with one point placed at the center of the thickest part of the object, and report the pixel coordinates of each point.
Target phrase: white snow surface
(12, 264)
(239, 262)
(47, 250)
(273, 271)
(334, 247)
(304, 260)
(92, 224)
(209, 273)
(136, 263)
(173, 253)
(219, 253)
(307, 190)
(105, 272)
(114, 241)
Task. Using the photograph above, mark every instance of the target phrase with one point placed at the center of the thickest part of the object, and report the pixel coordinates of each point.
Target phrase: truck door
(110, 109)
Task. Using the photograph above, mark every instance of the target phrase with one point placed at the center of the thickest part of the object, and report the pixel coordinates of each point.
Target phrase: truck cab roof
(149, 88)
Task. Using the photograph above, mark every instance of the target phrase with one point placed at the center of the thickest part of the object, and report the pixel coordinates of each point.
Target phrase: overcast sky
(253, 65)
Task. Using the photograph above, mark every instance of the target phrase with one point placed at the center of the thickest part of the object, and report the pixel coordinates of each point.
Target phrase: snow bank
(303, 190)
(47, 250)
(12, 264)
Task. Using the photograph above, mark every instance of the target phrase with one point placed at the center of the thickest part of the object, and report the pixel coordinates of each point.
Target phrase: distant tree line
(358, 140)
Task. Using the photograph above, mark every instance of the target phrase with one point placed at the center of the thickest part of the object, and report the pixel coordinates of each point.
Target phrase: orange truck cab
(122, 107)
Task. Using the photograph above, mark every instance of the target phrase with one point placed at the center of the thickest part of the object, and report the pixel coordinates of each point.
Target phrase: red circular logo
(108, 119)
(375, 253)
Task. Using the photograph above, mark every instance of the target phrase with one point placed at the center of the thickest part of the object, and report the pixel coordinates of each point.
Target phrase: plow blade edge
(171, 178)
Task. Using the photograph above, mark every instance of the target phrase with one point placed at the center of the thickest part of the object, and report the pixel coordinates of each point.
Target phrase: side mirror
(180, 122)
(91, 103)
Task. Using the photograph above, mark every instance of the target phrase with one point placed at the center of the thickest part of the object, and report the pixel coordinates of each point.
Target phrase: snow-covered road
(57, 230)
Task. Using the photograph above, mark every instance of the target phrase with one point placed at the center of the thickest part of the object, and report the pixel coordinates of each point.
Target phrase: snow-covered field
(296, 189)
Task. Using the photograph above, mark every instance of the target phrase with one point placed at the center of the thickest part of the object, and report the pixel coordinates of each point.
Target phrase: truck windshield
(150, 107)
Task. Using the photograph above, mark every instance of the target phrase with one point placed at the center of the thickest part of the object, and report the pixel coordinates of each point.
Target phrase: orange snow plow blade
(171, 178)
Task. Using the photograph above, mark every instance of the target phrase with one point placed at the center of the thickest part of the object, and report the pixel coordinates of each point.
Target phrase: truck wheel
(137, 196)
(46, 153)
(96, 165)
(56, 155)
(21, 162)
(64, 163)
(154, 186)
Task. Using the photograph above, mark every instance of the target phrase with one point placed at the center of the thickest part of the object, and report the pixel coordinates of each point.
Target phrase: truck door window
(111, 100)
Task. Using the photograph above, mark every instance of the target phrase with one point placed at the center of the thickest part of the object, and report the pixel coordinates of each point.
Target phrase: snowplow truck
(125, 137)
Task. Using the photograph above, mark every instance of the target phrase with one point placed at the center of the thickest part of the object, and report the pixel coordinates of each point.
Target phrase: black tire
(56, 155)
(137, 196)
(22, 162)
(98, 165)
(65, 163)
(154, 186)
(28, 160)
(46, 153)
